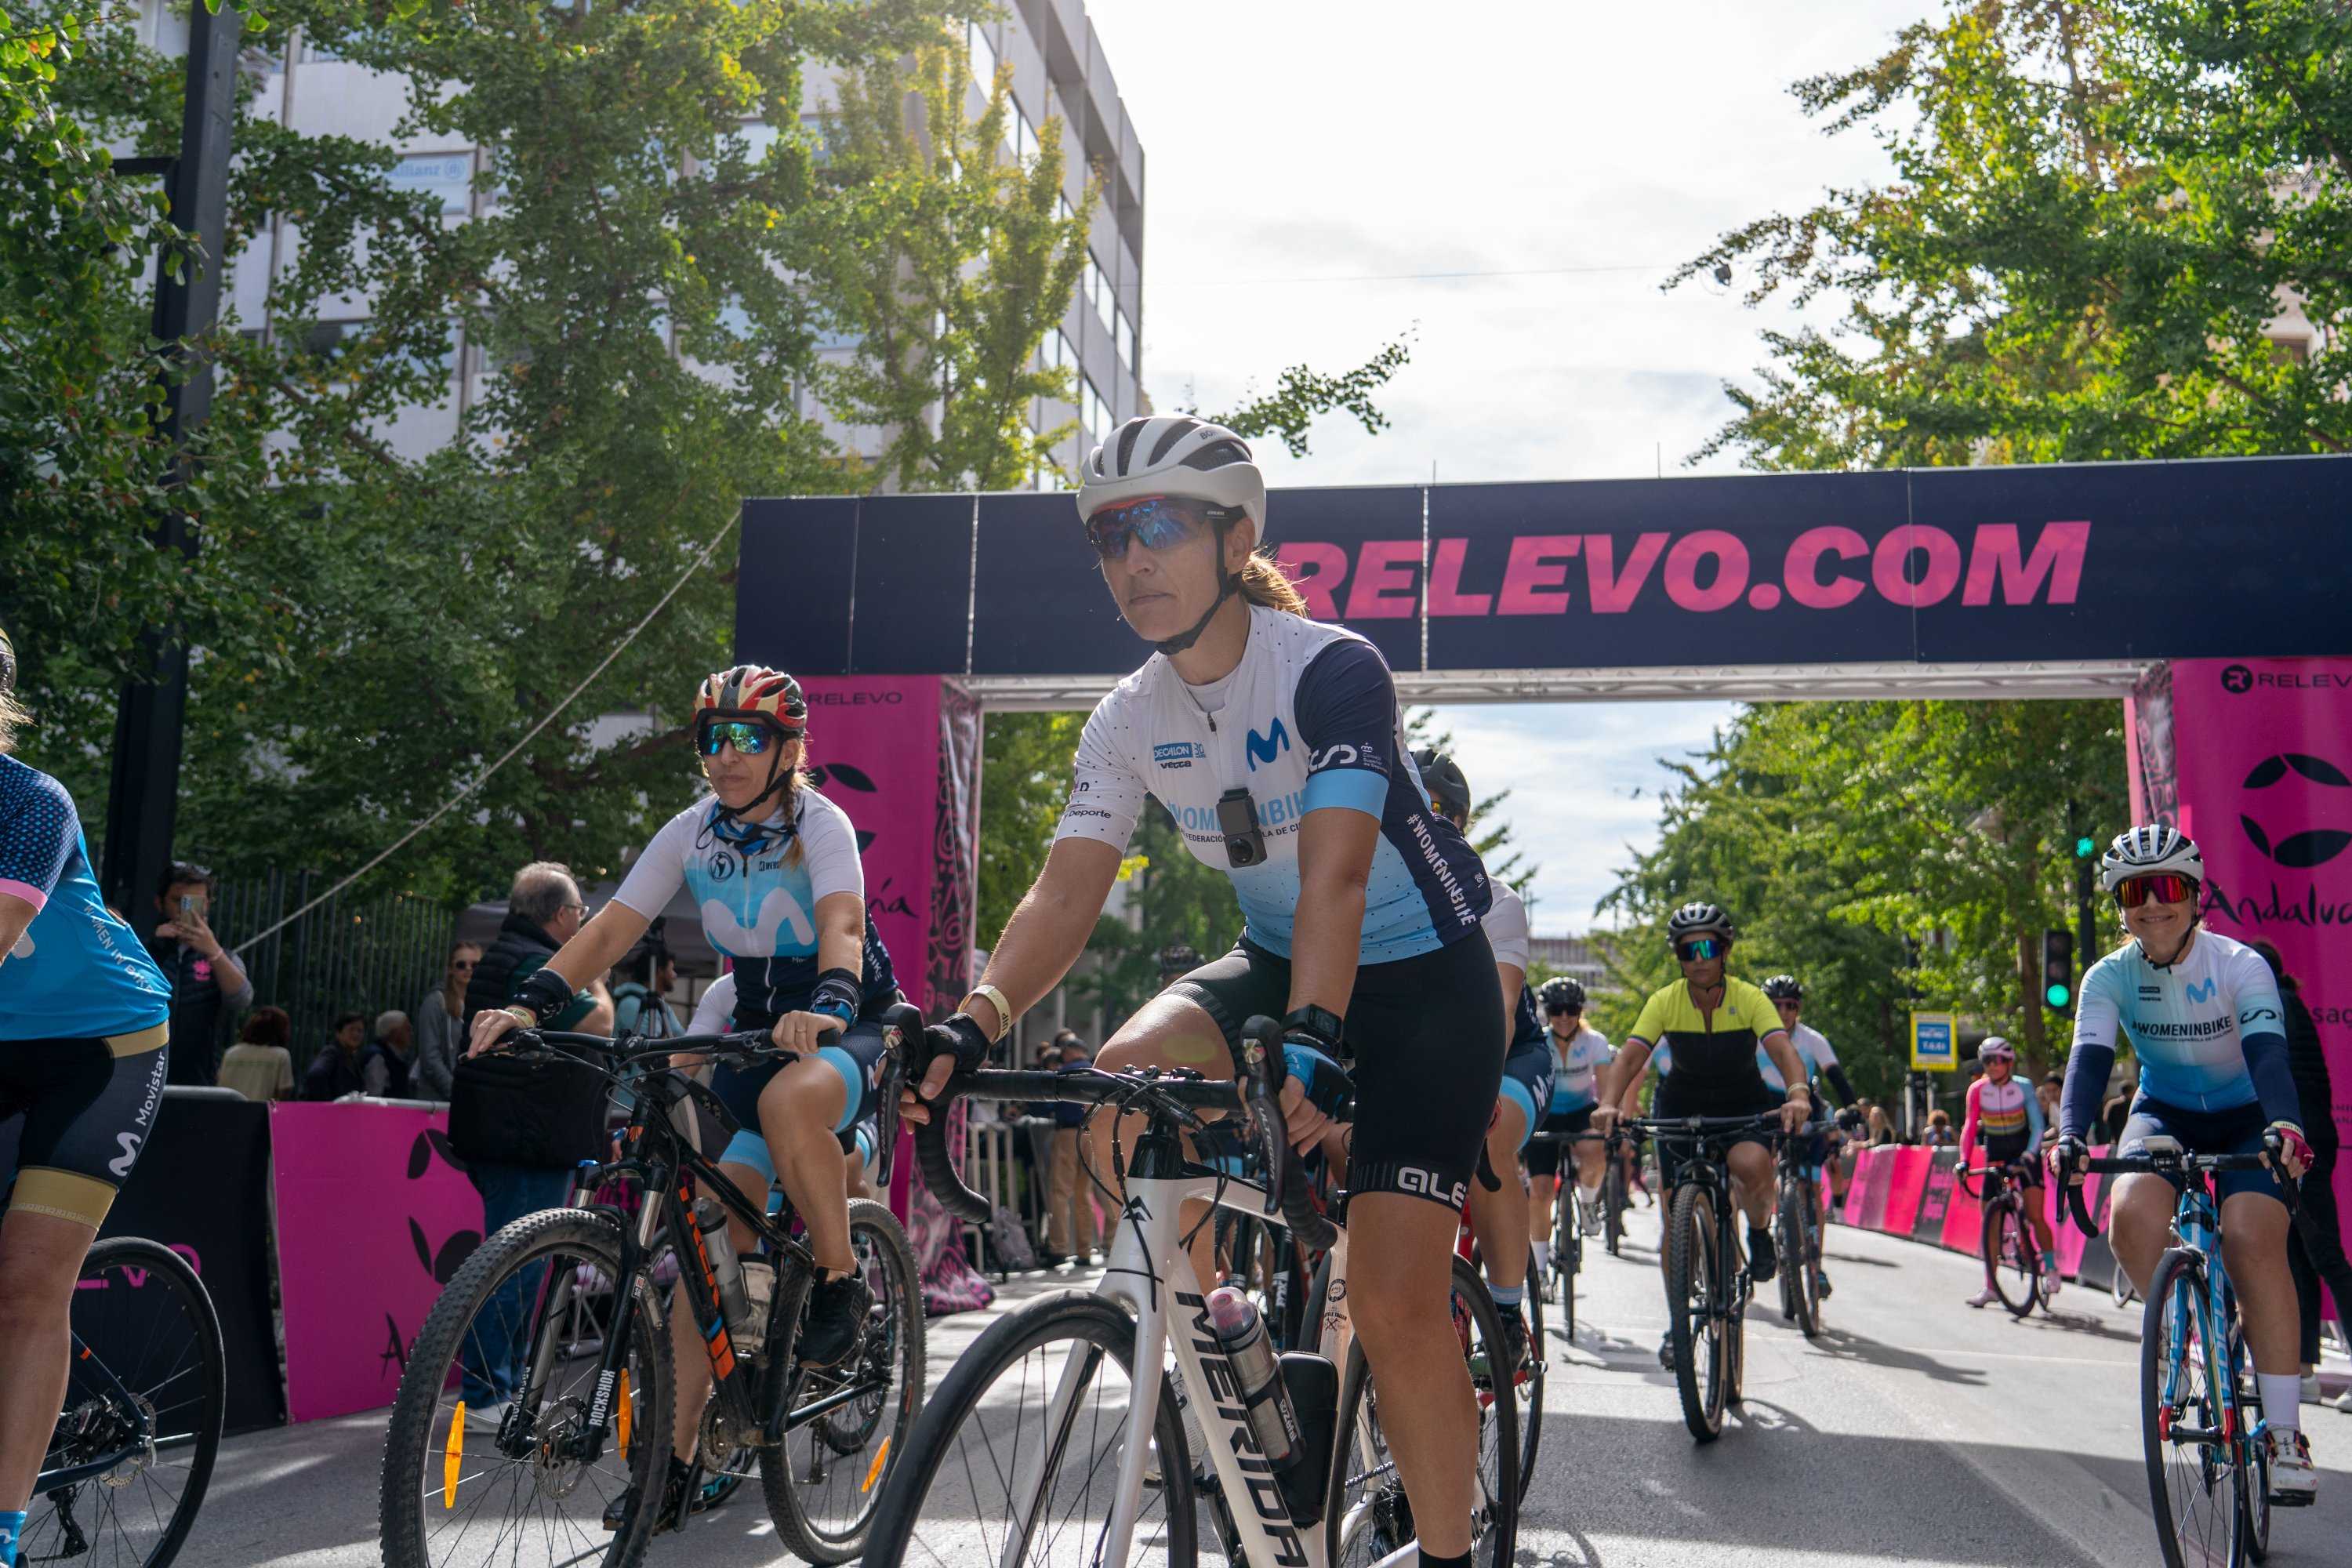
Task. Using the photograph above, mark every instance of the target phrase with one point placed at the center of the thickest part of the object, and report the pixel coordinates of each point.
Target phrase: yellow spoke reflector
(452, 1458)
(624, 1410)
(875, 1469)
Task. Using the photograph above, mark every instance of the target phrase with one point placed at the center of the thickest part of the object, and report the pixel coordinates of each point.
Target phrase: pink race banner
(373, 1219)
(1866, 1194)
(2252, 758)
(1905, 1184)
(1935, 1196)
(1964, 1220)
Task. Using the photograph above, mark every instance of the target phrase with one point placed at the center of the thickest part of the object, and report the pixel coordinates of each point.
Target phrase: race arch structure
(2208, 595)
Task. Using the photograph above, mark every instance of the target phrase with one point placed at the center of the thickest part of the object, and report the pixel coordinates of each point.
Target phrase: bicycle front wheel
(1696, 1284)
(146, 1397)
(823, 1479)
(2191, 1466)
(1531, 1376)
(1020, 1455)
(1614, 1200)
(1366, 1515)
(2254, 1462)
(533, 1481)
(2012, 1260)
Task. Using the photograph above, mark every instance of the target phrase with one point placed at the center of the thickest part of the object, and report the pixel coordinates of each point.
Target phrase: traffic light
(2084, 847)
(2058, 969)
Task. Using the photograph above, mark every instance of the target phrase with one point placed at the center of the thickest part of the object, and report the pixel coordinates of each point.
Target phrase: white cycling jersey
(1308, 720)
(1812, 1049)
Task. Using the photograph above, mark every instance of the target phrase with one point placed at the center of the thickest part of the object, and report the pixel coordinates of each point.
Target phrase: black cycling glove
(958, 1036)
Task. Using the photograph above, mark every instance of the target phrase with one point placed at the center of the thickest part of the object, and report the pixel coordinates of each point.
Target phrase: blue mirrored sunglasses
(1158, 522)
(1699, 950)
(744, 735)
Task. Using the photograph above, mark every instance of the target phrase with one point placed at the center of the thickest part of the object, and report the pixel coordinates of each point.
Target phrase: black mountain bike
(1616, 1188)
(1797, 1231)
(132, 1453)
(588, 1435)
(1708, 1282)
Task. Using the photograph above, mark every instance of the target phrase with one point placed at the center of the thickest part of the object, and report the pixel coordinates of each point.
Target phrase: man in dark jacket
(544, 911)
(2316, 1246)
(209, 987)
(386, 1066)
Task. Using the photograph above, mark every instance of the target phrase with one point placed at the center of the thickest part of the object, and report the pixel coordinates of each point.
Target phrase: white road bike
(1054, 1440)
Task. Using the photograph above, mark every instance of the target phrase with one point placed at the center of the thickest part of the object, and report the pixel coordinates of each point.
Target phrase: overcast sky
(1290, 144)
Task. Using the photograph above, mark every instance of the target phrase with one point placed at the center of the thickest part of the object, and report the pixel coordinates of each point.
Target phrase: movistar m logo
(1277, 742)
(2201, 993)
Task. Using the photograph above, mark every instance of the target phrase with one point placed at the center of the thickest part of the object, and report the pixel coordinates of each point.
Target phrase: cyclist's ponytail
(1262, 581)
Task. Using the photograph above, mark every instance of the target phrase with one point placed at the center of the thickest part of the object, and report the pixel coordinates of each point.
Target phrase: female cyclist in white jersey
(1275, 743)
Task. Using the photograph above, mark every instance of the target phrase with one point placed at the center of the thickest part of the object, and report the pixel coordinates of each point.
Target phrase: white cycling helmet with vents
(1176, 455)
(1173, 455)
(2144, 851)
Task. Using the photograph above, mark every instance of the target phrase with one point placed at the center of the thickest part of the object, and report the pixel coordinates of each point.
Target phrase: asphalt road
(1914, 1430)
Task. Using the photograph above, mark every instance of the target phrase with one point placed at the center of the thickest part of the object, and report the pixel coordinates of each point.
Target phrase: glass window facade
(446, 176)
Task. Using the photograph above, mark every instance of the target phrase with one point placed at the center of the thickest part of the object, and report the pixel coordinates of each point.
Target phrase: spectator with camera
(209, 987)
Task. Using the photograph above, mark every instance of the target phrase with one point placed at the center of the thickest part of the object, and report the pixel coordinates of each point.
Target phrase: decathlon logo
(1277, 742)
(1177, 754)
(2201, 993)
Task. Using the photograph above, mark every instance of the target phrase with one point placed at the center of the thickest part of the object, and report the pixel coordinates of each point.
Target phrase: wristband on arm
(547, 994)
(838, 995)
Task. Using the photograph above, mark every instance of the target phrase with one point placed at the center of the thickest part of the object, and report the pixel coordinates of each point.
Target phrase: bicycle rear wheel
(1800, 1261)
(1366, 1515)
(145, 1321)
(456, 1493)
(1696, 1283)
(2012, 1260)
(2192, 1481)
(990, 1439)
(822, 1481)
(1614, 1200)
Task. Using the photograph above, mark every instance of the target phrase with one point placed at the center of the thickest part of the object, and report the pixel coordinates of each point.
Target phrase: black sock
(1430, 1560)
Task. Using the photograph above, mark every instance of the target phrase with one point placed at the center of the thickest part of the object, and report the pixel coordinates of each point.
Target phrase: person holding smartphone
(209, 987)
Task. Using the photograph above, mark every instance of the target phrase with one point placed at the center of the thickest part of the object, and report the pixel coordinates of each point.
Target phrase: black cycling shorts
(1424, 1038)
(2235, 1131)
(856, 1055)
(1683, 1094)
(1544, 1157)
(2018, 1147)
(88, 1107)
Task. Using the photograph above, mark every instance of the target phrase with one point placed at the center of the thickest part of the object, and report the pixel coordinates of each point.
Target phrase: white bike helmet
(1175, 455)
(2143, 851)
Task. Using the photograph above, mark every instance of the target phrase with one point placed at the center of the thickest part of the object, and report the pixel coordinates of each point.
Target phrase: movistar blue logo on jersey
(1277, 742)
(1177, 754)
(2201, 991)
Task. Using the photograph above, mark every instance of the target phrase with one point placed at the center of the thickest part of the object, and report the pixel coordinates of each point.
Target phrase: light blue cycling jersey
(2208, 1030)
(77, 972)
(1308, 720)
(1573, 1084)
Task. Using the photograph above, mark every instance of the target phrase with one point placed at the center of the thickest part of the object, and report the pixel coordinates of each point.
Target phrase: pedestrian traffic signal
(2058, 969)
(2084, 847)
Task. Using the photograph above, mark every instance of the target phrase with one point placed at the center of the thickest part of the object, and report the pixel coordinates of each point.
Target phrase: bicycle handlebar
(1286, 1184)
(2129, 1165)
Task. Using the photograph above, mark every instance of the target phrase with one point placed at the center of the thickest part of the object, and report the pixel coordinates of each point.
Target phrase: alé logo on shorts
(2201, 991)
(1276, 742)
(1225, 1393)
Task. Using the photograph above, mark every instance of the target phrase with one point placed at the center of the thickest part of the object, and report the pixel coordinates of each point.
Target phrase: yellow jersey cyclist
(1526, 1072)
(1579, 1054)
(774, 868)
(2206, 1022)
(1715, 1026)
(1787, 994)
(84, 1013)
(1277, 744)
